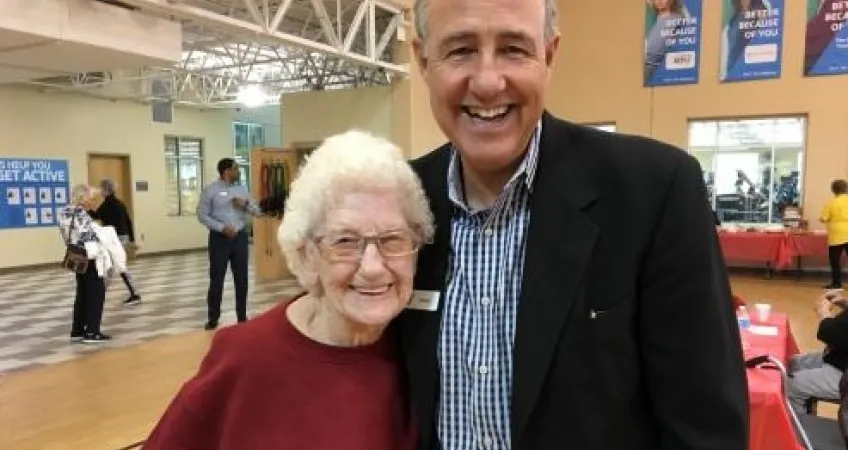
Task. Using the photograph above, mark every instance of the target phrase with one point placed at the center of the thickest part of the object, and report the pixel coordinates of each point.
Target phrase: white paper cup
(763, 311)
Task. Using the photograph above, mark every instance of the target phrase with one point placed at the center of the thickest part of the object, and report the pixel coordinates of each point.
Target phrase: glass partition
(752, 167)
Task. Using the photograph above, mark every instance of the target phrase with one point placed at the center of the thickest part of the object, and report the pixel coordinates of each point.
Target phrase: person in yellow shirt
(835, 216)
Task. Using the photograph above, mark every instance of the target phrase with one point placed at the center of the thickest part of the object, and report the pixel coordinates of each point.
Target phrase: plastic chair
(814, 433)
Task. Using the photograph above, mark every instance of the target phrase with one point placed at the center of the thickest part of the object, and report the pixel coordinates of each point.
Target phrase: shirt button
(487, 231)
(483, 369)
(485, 301)
(487, 441)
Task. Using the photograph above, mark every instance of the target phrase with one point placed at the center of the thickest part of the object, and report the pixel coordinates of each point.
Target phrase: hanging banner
(34, 190)
(672, 42)
(751, 39)
(826, 49)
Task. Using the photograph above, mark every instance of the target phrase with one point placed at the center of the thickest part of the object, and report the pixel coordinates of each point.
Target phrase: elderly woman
(77, 228)
(319, 372)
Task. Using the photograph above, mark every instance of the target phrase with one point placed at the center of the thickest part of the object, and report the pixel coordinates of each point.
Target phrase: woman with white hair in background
(113, 212)
(320, 371)
(77, 228)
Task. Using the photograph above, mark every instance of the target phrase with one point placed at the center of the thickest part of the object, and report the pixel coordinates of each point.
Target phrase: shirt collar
(527, 170)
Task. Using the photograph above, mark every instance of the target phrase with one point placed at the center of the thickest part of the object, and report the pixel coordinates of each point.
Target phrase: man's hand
(240, 203)
(229, 231)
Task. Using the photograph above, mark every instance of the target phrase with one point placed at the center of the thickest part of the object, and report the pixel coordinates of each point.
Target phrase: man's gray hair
(421, 15)
(107, 186)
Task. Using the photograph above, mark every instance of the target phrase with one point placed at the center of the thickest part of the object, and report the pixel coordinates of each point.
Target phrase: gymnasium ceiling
(266, 46)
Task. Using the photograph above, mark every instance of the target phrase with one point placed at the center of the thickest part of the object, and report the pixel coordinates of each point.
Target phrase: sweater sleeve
(192, 420)
(178, 429)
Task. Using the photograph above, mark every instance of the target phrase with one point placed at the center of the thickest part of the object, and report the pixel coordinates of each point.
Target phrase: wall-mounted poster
(751, 39)
(33, 190)
(826, 46)
(672, 42)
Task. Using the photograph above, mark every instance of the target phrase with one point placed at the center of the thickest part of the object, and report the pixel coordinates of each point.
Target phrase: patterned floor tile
(36, 308)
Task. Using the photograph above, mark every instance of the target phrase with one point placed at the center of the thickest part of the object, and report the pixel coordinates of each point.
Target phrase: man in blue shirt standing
(223, 208)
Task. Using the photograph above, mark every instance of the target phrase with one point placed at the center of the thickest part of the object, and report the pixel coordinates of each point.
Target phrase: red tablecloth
(771, 425)
(755, 246)
(809, 244)
(777, 249)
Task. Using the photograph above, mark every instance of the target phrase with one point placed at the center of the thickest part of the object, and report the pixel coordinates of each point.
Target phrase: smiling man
(575, 292)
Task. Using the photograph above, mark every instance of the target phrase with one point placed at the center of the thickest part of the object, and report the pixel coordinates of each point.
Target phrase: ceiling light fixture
(252, 96)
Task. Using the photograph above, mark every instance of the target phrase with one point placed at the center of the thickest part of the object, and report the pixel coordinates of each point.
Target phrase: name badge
(424, 300)
(223, 193)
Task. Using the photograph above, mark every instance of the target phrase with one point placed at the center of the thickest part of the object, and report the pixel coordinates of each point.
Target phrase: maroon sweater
(264, 385)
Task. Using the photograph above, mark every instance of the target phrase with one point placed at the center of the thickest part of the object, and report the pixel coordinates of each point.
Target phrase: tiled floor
(35, 308)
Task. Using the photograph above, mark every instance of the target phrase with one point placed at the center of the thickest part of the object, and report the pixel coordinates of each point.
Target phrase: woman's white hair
(346, 162)
(80, 193)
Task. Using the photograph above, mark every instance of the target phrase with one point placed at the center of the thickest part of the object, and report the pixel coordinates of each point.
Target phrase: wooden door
(115, 168)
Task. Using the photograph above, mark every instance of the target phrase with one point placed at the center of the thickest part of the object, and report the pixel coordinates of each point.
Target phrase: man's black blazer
(626, 336)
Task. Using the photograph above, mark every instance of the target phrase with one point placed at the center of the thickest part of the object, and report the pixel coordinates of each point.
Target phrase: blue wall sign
(33, 190)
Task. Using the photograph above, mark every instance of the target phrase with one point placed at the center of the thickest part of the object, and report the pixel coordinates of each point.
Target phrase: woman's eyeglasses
(350, 247)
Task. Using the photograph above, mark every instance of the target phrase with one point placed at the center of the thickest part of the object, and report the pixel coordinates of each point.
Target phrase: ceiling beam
(254, 12)
(263, 33)
(326, 24)
(391, 29)
(278, 17)
(355, 25)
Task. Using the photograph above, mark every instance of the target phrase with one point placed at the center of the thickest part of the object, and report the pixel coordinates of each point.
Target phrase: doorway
(115, 168)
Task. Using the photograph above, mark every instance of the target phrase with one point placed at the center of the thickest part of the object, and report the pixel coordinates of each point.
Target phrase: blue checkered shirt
(478, 323)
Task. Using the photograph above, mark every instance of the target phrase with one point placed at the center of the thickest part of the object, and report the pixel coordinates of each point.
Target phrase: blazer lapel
(420, 329)
(560, 242)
